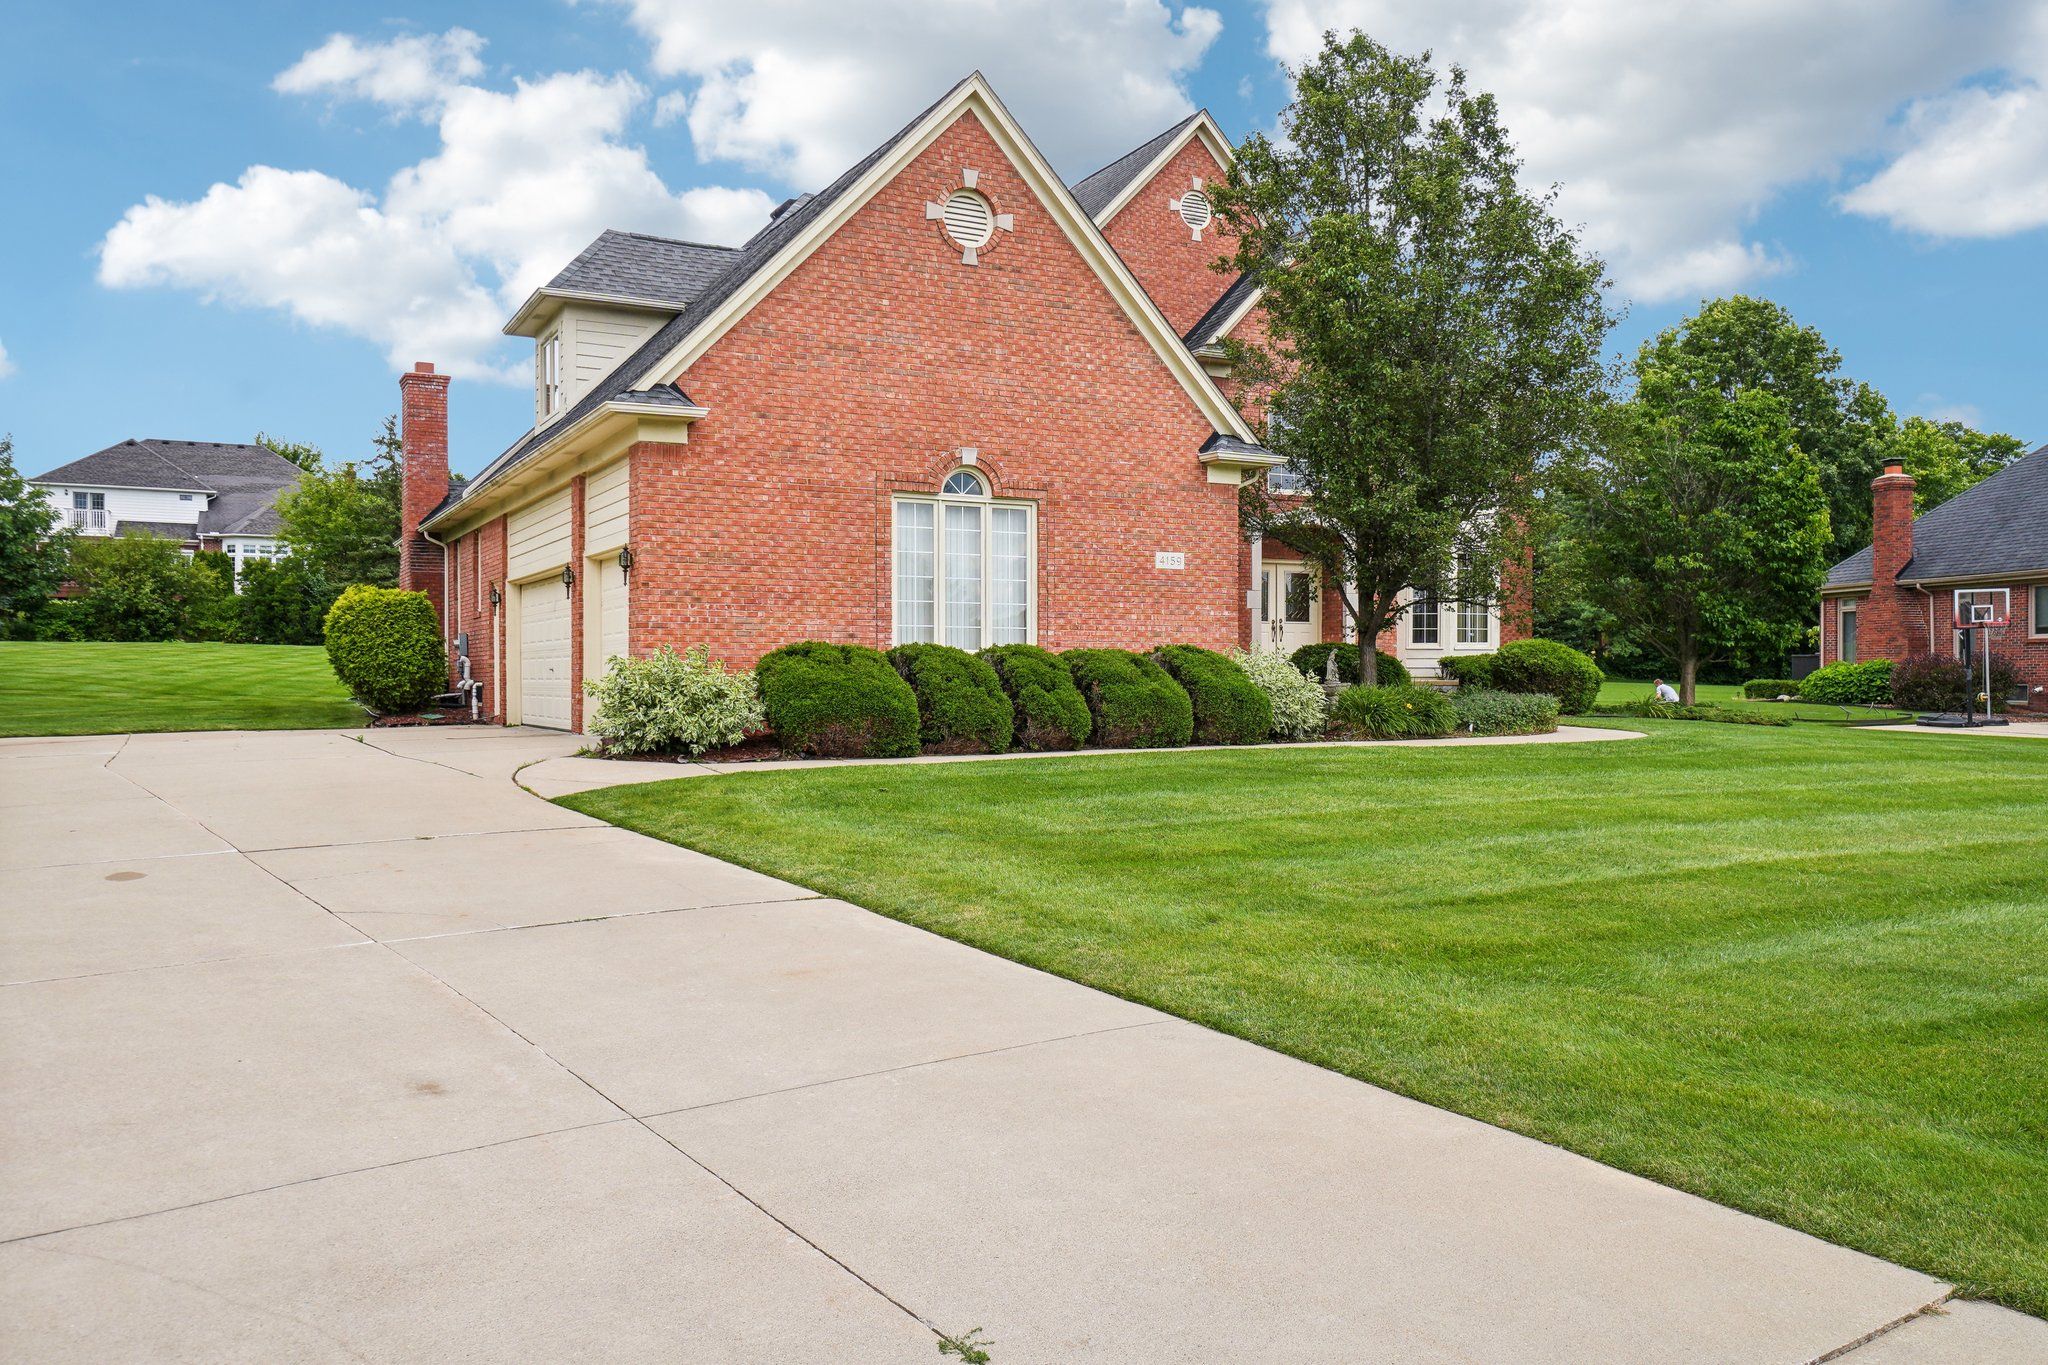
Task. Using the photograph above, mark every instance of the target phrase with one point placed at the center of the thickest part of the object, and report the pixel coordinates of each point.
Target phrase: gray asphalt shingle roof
(1993, 529)
(243, 480)
(1208, 330)
(634, 265)
(742, 265)
(1096, 191)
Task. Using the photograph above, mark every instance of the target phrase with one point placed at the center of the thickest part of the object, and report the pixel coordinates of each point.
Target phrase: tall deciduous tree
(344, 520)
(1705, 530)
(33, 546)
(1435, 332)
(1945, 458)
(1845, 427)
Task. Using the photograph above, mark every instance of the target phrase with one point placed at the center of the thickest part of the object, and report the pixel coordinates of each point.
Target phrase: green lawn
(1800, 971)
(1618, 691)
(91, 689)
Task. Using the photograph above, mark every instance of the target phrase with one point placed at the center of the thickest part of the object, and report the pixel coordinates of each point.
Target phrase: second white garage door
(611, 611)
(544, 655)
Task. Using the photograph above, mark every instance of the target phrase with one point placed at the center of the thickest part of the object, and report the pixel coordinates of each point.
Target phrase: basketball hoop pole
(1987, 675)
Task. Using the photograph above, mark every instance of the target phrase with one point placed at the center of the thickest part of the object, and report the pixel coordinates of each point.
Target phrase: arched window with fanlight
(965, 566)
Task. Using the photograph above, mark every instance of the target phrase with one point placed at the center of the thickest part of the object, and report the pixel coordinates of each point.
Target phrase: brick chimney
(423, 439)
(1894, 620)
(1891, 523)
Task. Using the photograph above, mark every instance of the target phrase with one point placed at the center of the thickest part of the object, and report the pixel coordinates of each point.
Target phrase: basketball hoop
(1983, 608)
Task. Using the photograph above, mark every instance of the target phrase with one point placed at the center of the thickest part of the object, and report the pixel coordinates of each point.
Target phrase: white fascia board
(1204, 128)
(975, 96)
(538, 310)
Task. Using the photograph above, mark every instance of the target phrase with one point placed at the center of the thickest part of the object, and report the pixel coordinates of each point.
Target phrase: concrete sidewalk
(318, 1048)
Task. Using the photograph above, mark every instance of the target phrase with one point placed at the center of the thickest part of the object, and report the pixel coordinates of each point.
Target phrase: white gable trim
(972, 96)
(1204, 128)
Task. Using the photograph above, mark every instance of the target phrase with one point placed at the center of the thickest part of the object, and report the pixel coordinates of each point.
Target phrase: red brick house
(945, 398)
(1896, 597)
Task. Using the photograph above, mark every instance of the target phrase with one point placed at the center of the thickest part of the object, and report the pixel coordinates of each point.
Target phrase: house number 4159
(1169, 559)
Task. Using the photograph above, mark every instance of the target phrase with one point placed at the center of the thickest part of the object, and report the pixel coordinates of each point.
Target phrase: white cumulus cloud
(1670, 124)
(6, 365)
(801, 89)
(428, 270)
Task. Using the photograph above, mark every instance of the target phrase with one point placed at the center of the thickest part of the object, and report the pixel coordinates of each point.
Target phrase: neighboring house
(1896, 597)
(206, 495)
(946, 398)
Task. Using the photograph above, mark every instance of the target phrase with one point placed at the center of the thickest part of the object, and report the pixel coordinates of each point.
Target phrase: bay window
(963, 567)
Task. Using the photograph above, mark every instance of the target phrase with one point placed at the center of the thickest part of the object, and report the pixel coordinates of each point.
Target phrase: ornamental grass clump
(837, 701)
(1229, 707)
(1134, 703)
(1300, 707)
(670, 703)
(386, 648)
(1047, 710)
(1485, 711)
(1401, 712)
(961, 707)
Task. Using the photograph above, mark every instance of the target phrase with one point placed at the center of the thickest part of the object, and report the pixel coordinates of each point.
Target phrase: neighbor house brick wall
(2028, 652)
(861, 375)
(423, 438)
(1161, 250)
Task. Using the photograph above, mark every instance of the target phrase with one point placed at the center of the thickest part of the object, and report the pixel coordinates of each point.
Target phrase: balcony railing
(91, 520)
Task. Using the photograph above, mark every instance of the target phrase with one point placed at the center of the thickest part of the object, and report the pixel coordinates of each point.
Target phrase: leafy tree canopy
(1434, 330)
(34, 548)
(343, 519)
(304, 456)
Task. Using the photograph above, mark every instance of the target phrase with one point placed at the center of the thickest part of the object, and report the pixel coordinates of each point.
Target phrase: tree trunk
(1688, 669)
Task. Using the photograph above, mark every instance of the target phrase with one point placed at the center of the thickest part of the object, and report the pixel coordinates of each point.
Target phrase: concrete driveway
(325, 1049)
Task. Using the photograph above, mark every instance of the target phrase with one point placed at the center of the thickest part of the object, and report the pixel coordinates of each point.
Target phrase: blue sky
(1884, 180)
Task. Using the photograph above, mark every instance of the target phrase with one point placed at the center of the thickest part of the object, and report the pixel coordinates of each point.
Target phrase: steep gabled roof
(1098, 191)
(635, 265)
(777, 248)
(1989, 530)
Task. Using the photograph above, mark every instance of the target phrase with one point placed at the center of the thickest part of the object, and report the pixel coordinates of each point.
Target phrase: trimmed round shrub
(1930, 682)
(961, 708)
(1133, 702)
(670, 703)
(1047, 710)
(385, 646)
(837, 701)
(1229, 707)
(1770, 689)
(1547, 666)
(1468, 670)
(1864, 684)
(1312, 659)
(1485, 711)
(1300, 709)
(1400, 712)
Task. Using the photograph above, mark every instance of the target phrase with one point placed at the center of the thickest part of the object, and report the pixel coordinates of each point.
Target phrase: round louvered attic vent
(968, 219)
(1194, 210)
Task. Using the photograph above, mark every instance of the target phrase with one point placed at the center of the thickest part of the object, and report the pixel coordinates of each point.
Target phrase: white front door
(544, 654)
(1289, 614)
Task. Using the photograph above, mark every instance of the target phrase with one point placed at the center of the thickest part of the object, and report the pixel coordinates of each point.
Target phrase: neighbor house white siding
(537, 537)
(132, 504)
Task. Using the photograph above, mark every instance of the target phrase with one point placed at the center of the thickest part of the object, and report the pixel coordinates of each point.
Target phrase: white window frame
(2037, 611)
(939, 501)
(1845, 624)
(1425, 606)
(551, 373)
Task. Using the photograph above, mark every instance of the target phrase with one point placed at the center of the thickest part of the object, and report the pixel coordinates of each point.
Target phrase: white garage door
(611, 612)
(544, 655)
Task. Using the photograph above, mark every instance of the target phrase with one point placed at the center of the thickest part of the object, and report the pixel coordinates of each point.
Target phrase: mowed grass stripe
(1800, 971)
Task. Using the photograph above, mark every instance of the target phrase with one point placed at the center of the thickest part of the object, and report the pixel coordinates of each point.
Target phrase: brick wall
(860, 376)
(2028, 652)
(480, 557)
(1162, 251)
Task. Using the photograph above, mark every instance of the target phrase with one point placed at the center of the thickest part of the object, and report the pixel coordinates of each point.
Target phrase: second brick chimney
(423, 439)
(1894, 620)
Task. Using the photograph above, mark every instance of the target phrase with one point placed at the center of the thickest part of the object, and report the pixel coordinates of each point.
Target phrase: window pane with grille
(1009, 616)
(915, 600)
(1422, 619)
(963, 576)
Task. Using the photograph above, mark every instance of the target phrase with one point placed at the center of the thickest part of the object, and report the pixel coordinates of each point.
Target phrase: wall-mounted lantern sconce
(626, 563)
(568, 581)
(496, 599)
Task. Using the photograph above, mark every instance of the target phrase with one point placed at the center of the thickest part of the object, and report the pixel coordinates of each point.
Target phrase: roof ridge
(150, 443)
(673, 241)
(1141, 146)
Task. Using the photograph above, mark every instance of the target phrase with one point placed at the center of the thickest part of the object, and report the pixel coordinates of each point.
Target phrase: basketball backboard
(1976, 607)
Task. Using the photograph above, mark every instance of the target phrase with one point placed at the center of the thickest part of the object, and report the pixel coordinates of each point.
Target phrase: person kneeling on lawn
(1665, 691)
